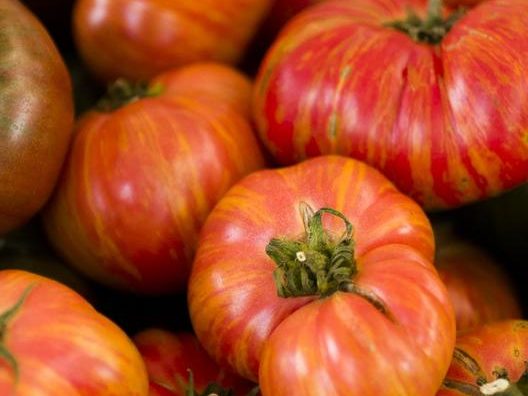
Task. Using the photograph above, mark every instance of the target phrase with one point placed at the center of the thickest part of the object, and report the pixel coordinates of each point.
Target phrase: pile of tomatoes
(263, 197)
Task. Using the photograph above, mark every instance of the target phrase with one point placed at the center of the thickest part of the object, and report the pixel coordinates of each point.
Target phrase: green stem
(213, 389)
(434, 9)
(122, 92)
(5, 318)
(431, 29)
(318, 263)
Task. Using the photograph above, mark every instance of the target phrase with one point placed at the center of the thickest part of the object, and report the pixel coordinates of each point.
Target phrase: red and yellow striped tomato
(361, 306)
(172, 357)
(138, 39)
(446, 119)
(142, 178)
(490, 360)
(52, 342)
(479, 290)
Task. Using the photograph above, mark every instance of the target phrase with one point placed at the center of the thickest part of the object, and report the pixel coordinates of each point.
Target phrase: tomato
(139, 39)
(490, 360)
(446, 119)
(365, 301)
(479, 290)
(52, 342)
(36, 115)
(141, 179)
(172, 357)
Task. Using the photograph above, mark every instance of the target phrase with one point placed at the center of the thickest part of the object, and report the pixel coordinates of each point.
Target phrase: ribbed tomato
(36, 114)
(142, 178)
(52, 342)
(439, 105)
(138, 39)
(479, 290)
(490, 360)
(353, 255)
(171, 360)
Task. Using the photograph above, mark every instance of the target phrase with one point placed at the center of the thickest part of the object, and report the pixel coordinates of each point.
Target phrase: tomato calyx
(430, 30)
(317, 263)
(122, 92)
(5, 317)
(213, 389)
(500, 386)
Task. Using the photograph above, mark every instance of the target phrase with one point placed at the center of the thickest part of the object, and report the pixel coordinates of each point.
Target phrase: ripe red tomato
(172, 357)
(52, 342)
(478, 289)
(446, 121)
(490, 360)
(36, 114)
(138, 39)
(142, 178)
(366, 302)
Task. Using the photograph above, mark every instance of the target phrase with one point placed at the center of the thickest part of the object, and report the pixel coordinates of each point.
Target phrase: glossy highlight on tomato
(52, 342)
(490, 360)
(142, 178)
(139, 39)
(384, 314)
(445, 119)
(36, 115)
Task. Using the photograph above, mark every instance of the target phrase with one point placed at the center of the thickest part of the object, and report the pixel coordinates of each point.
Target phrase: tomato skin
(429, 117)
(141, 180)
(36, 115)
(479, 291)
(463, 3)
(236, 313)
(169, 357)
(494, 346)
(62, 345)
(140, 39)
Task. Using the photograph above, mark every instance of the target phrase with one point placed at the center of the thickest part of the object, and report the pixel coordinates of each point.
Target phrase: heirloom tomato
(479, 290)
(36, 114)
(352, 302)
(138, 39)
(437, 102)
(490, 360)
(173, 359)
(141, 178)
(52, 342)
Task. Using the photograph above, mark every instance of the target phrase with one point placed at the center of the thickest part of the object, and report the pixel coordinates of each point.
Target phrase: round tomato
(438, 104)
(36, 114)
(490, 360)
(142, 178)
(52, 342)
(173, 359)
(352, 297)
(138, 39)
(478, 289)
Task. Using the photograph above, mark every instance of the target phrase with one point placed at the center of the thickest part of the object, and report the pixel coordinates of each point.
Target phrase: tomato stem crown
(317, 263)
(122, 92)
(5, 317)
(430, 30)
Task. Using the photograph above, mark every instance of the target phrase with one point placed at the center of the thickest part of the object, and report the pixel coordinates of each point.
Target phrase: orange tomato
(52, 342)
(138, 39)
